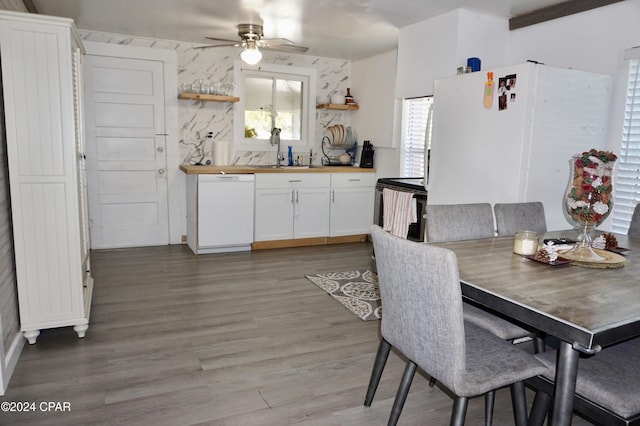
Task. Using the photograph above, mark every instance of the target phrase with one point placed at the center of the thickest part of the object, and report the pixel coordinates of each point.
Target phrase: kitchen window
(416, 135)
(627, 187)
(274, 96)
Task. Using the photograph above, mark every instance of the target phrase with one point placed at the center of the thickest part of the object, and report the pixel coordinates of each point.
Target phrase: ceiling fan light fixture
(251, 55)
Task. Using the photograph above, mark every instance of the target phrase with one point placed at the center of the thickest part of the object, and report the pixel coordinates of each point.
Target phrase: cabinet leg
(80, 329)
(31, 336)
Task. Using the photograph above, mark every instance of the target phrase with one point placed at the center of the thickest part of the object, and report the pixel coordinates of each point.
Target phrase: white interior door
(126, 152)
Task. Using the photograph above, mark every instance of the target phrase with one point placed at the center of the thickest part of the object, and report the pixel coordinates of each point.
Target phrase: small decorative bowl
(322, 99)
(337, 99)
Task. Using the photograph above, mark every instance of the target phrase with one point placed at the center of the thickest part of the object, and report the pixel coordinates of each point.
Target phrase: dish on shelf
(338, 135)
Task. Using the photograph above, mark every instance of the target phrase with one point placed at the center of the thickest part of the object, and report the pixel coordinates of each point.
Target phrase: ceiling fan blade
(283, 44)
(218, 45)
(222, 39)
(293, 48)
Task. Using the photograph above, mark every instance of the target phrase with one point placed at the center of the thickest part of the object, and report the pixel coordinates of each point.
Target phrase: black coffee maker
(366, 158)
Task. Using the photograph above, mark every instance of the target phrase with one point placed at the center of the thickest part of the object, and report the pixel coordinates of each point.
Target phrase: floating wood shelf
(209, 98)
(342, 107)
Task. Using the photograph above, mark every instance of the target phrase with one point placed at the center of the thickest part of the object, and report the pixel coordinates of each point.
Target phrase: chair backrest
(454, 222)
(514, 217)
(422, 303)
(634, 226)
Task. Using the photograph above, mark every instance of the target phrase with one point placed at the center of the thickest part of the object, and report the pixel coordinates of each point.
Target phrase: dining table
(586, 308)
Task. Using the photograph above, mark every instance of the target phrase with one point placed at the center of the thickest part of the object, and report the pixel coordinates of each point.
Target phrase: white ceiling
(348, 29)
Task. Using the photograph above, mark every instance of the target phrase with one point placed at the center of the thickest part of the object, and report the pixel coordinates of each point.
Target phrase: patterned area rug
(356, 290)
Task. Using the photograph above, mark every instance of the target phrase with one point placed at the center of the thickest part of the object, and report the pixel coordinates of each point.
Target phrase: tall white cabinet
(42, 83)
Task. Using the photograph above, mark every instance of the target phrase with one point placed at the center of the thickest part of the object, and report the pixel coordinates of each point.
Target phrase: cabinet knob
(160, 149)
(161, 171)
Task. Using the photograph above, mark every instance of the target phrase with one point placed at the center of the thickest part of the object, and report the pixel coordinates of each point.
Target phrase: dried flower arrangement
(589, 198)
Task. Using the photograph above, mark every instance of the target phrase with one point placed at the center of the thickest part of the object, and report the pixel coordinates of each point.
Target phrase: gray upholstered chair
(634, 226)
(607, 391)
(423, 319)
(455, 222)
(513, 217)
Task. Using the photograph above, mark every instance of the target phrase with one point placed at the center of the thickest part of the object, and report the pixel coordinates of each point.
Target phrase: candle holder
(525, 243)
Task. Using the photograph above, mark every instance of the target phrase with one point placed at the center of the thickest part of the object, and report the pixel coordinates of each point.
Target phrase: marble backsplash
(197, 118)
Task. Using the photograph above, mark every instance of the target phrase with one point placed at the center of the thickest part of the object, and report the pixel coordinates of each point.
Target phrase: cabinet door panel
(311, 214)
(273, 214)
(351, 211)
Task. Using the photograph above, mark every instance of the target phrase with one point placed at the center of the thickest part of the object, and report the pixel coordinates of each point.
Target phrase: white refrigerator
(516, 144)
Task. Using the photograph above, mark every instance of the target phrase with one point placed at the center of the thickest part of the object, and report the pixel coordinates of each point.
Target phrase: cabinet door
(311, 212)
(352, 203)
(81, 169)
(274, 214)
(351, 210)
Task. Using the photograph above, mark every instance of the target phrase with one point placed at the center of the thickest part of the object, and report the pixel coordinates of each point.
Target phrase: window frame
(309, 78)
(421, 127)
(627, 185)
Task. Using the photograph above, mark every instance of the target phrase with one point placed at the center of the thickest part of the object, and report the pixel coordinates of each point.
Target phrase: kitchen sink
(273, 166)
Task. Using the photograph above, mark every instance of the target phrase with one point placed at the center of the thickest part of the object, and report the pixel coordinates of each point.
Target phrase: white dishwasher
(225, 212)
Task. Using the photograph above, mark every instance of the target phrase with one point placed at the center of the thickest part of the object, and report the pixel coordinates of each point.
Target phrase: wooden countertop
(249, 169)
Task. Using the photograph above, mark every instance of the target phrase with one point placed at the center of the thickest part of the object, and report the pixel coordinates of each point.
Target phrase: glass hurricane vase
(589, 199)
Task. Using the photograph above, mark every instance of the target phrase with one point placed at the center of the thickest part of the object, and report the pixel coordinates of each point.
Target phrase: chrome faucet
(275, 140)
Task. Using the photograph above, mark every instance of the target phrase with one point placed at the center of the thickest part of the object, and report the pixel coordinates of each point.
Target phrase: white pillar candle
(525, 243)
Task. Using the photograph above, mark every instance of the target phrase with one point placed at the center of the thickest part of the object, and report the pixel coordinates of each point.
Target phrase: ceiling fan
(251, 40)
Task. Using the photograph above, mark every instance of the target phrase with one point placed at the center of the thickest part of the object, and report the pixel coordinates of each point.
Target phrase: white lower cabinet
(291, 205)
(352, 199)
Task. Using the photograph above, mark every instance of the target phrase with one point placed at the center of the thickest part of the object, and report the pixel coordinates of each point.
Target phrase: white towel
(399, 211)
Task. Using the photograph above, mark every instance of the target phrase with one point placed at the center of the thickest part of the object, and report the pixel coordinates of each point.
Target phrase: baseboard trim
(305, 242)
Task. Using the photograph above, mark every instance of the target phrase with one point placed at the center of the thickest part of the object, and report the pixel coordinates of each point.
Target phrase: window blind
(415, 114)
(627, 188)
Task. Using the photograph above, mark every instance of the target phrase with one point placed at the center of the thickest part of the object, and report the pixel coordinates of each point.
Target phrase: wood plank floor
(221, 339)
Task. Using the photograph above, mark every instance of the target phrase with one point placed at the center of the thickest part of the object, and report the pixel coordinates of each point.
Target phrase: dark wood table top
(588, 307)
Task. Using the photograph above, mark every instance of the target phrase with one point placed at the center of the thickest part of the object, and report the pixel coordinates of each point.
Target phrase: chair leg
(538, 343)
(432, 382)
(459, 411)
(403, 391)
(378, 366)
(489, 402)
(540, 408)
(519, 402)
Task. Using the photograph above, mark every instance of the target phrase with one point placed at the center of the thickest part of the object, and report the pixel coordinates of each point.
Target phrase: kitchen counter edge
(247, 169)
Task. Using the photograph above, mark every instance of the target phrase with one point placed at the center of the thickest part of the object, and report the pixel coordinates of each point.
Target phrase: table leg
(566, 372)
